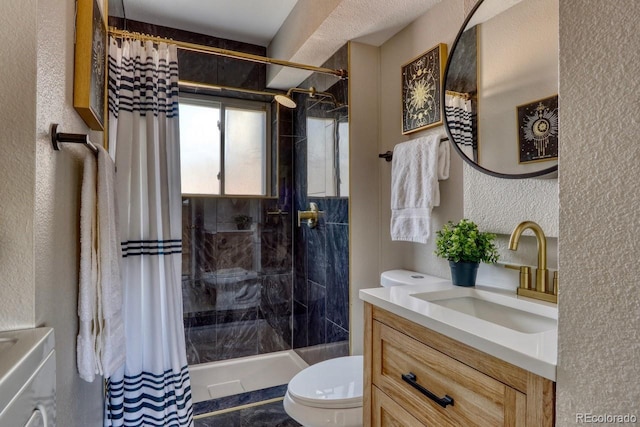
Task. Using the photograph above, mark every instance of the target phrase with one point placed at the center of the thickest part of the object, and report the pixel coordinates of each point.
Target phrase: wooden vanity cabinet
(485, 391)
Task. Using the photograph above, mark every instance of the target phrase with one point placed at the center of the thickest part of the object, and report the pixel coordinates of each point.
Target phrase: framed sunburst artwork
(538, 130)
(421, 88)
(90, 62)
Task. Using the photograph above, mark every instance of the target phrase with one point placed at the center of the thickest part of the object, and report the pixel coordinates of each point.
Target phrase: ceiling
(249, 21)
(305, 31)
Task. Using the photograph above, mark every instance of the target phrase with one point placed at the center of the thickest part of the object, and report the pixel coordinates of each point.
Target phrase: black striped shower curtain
(459, 112)
(153, 388)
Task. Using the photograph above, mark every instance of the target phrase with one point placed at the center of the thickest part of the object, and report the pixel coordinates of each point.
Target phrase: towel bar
(74, 138)
(388, 156)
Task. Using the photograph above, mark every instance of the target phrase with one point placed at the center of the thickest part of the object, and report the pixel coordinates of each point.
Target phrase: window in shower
(224, 147)
(327, 156)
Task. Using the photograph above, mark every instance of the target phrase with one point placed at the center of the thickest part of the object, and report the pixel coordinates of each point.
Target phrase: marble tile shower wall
(237, 284)
(321, 284)
(321, 254)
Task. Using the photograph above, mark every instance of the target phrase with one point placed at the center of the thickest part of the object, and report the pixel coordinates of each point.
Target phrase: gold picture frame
(89, 80)
(421, 88)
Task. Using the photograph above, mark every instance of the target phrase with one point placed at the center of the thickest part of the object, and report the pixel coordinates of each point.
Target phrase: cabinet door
(387, 413)
(477, 399)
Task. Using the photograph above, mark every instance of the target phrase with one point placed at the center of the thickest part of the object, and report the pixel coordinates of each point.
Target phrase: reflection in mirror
(327, 150)
(506, 57)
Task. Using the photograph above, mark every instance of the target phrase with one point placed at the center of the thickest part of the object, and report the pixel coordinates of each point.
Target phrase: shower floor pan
(214, 380)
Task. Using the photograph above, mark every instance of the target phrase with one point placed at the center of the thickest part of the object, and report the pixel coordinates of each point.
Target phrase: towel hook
(74, 138)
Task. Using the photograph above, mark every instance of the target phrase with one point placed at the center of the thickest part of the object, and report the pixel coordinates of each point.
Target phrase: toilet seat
(332, 384)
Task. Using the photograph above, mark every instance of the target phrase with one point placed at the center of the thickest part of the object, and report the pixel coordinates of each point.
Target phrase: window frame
(224, 103)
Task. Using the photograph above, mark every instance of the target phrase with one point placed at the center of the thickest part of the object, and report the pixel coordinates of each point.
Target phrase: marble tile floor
(268, 415)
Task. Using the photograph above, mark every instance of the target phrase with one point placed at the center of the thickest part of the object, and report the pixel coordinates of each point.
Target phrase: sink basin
(516, 314)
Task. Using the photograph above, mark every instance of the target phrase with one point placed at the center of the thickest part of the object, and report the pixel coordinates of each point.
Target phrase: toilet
(329, 393)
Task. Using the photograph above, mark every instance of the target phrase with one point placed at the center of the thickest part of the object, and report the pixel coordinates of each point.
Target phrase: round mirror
(500, 92)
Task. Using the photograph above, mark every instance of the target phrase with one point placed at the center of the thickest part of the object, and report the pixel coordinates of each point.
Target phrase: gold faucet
(542, 290)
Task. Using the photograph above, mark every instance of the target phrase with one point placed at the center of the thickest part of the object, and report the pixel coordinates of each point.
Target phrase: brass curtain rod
(207, 86)
(123, 34)
(460, 94)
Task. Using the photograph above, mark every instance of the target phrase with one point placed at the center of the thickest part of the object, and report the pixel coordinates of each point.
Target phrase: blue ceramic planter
(464, 273)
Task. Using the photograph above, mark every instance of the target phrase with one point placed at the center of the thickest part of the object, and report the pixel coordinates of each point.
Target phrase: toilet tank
(28, 378)
(392, 278)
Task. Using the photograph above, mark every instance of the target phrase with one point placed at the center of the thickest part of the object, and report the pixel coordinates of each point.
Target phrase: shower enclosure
(263, 300)
(237, 297)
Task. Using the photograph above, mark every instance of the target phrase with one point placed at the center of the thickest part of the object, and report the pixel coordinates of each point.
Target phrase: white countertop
(535, 352)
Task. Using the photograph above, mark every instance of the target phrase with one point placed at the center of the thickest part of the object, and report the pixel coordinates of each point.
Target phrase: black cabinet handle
(413, 381)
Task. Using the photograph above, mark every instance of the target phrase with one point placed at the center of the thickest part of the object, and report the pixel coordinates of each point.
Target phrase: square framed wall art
(89, 80)
(421, 90)
(538, 130)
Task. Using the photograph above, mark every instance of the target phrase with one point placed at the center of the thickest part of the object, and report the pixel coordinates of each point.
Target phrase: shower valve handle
(310, 216)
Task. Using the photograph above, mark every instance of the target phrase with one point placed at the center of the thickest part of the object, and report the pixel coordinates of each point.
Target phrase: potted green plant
(243, 222)
(464, 246)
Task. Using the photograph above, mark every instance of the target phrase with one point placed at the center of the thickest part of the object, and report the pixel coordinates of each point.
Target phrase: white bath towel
(88, 284)
(112, 354)
(444, 160)
(100, 346)
(416, 167)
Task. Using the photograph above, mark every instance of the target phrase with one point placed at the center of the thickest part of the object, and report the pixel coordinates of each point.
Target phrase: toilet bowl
(328, 393)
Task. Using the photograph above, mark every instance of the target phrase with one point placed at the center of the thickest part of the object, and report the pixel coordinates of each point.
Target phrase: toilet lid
(334, 383)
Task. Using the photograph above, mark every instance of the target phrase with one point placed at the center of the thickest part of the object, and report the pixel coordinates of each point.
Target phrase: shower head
(287, 100)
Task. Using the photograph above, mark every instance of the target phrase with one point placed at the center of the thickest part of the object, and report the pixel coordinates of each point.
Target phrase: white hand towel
(444, 159)
(414, 187)
(87, 292)
(112, 343)
(100, 345)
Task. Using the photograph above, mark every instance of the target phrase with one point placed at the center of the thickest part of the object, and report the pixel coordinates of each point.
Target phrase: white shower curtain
(458, 109)
(153, 387)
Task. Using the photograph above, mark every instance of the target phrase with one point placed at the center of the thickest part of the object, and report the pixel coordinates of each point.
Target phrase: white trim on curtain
(153, 388)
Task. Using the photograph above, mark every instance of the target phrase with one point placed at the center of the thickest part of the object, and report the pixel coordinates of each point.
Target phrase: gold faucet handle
(555, 283)
(525, 274)
(310, 216)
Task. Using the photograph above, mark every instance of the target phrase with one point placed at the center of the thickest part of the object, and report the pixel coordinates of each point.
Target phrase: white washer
(28, 378)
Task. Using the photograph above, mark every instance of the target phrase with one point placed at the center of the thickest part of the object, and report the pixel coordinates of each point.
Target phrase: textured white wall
(498, 204)
(439, 24)
(599, 303)
(17, 163)
(363, 179)
(58, 181)
(39, 217)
